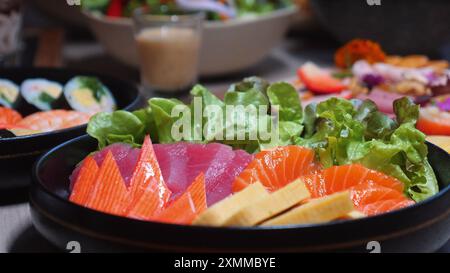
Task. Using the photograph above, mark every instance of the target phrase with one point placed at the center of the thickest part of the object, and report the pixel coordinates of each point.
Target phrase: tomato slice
(318, 80)
(432, 121)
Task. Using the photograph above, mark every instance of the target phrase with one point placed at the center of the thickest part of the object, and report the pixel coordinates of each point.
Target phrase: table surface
(16, 231)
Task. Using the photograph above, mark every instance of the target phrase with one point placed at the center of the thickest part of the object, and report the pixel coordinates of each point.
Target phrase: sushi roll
(43, 94)
(89, 95)
(9, 93)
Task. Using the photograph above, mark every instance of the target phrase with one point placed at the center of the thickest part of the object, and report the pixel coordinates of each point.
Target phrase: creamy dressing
(168, 57)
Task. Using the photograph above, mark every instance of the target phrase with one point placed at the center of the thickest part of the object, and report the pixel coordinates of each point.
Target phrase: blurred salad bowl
(227, 46)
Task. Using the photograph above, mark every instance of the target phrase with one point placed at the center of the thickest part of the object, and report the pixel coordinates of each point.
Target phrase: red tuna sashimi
(181, 163)
(124, 155)
(173, 159)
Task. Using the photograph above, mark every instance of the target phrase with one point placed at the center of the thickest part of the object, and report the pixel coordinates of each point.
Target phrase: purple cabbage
(371, 80)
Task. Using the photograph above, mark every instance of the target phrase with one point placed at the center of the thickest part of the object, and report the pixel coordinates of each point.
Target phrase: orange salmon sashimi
(149, 193)
(188, 206)
(110, 194)
(383, 206)
(276, 168)
(54, 120)
(85, 182)
(8, 117)
(367, 187)
(340, 178)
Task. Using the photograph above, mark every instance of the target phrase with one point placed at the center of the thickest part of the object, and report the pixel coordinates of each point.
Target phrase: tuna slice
(181, 163)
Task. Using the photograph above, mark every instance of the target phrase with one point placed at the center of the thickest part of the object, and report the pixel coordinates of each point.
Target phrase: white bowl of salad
(230, 42)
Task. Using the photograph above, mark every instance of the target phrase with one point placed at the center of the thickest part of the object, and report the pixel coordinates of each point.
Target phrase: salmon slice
(54, 120)
(278, 167)
(340, 178)
(85, 182)
(367, 187)
(149, 194)
(384, 206)
(368, 192)
(188, 206)
(315, 184)
(110, 194)
(8, 117)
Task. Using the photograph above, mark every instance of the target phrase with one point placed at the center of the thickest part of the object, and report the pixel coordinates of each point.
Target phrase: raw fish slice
(181, 163)
(54, 120)
(384, 206)
(148, 191)
(85, 182)
(188, 206)
(217, 186)
(223, 184)
(369, 192)
(367, 187)
(8, 117)
(340, 178)
(315, 184)
(110, 194)
(278, 167)
(173, 159)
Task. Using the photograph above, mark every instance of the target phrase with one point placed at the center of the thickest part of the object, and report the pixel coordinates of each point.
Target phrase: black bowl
(423, 227)
(401, 26)
(18, 154)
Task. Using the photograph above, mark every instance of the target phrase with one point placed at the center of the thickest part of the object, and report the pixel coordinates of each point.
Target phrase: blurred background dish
(17, 154)
(402, 26)
(227, 47)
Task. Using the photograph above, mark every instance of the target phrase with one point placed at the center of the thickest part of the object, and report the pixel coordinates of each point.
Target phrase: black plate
(423, 227)
(18, 154)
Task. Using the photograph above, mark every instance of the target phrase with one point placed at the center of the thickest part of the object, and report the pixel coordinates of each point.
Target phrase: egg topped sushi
(9, 93)
(89, 95)
(41, 93)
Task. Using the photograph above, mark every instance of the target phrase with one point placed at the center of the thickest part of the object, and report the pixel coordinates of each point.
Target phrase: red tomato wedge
(8, 117)
(188, 206)
(434, 122)
(85, 182)
(318, 80)
(367, 187)
(277, 167)
(149, 193)
(110, 194)
(115, 8)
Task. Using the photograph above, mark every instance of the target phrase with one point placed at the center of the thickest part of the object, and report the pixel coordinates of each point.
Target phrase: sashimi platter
(255, 165)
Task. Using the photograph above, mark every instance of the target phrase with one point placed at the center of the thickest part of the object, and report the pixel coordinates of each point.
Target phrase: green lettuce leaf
(119, 126)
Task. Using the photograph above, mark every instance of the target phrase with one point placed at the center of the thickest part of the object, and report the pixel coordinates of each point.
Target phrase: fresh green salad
(219, 10)
(341, 131)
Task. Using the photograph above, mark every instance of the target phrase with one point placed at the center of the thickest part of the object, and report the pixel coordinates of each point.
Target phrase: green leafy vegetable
(119, 126)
